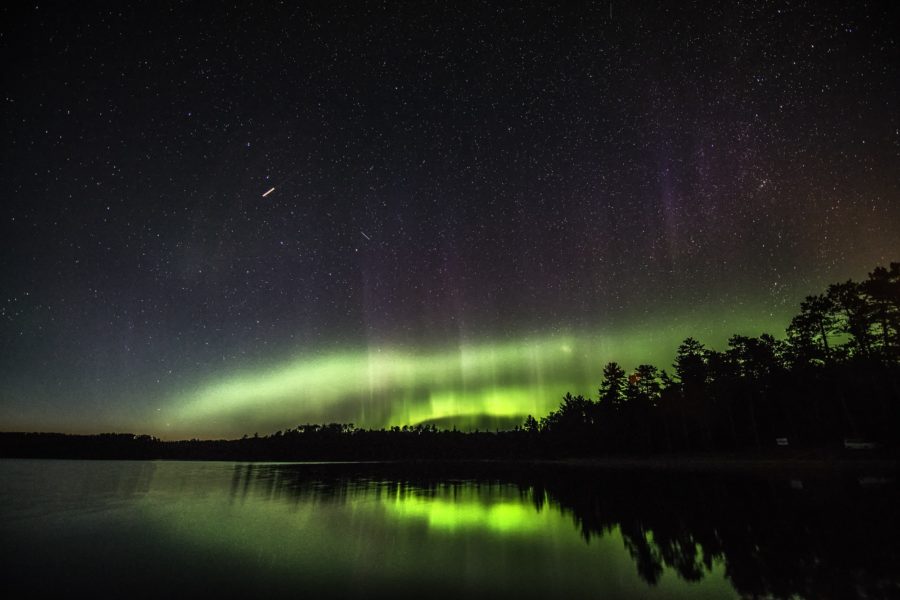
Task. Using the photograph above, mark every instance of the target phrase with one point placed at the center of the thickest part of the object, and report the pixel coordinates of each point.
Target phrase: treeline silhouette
(832, 382)
(790, 535)
(306, 442)
(835, 379)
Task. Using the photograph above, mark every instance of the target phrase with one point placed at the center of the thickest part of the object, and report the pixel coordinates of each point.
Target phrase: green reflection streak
(459, 514)
(363, 539)
(387, 386)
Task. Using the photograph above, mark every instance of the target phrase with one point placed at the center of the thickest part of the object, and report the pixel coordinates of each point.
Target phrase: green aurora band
(479, 385)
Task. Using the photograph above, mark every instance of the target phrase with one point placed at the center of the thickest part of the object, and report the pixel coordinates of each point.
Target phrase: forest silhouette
(832, 383)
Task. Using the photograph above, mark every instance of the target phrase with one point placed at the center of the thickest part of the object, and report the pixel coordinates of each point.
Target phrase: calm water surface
(162, 528)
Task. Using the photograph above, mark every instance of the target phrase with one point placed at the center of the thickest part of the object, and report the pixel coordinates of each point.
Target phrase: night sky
(474, 208)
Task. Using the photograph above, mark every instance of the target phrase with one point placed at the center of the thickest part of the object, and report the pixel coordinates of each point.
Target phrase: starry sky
(474, 207)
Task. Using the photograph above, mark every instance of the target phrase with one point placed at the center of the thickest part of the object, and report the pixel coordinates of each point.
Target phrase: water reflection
(818, 535)
(374, 530)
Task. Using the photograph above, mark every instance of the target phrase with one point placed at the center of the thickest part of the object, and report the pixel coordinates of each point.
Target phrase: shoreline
(729, 463)
(688, 463)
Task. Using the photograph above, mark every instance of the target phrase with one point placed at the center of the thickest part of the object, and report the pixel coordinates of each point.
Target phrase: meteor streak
(269, 192)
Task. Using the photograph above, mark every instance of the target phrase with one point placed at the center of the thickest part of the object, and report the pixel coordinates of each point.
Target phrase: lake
(375, 530)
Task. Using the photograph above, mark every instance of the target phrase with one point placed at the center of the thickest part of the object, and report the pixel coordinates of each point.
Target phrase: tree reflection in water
(819, 535)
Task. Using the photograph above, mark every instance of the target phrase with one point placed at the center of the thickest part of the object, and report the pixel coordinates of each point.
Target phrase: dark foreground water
(306, 530)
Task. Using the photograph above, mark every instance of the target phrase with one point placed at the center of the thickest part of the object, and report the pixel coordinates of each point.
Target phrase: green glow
(365, 538)
(386, 387)
(466, 386)
(456, 514)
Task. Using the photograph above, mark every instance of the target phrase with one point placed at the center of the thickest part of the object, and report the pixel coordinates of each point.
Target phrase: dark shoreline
(699, 464)
(510, 451)
(712, 464)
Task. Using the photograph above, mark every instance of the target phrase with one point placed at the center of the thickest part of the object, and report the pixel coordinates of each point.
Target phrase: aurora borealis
(493, 385)
(225, 221)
